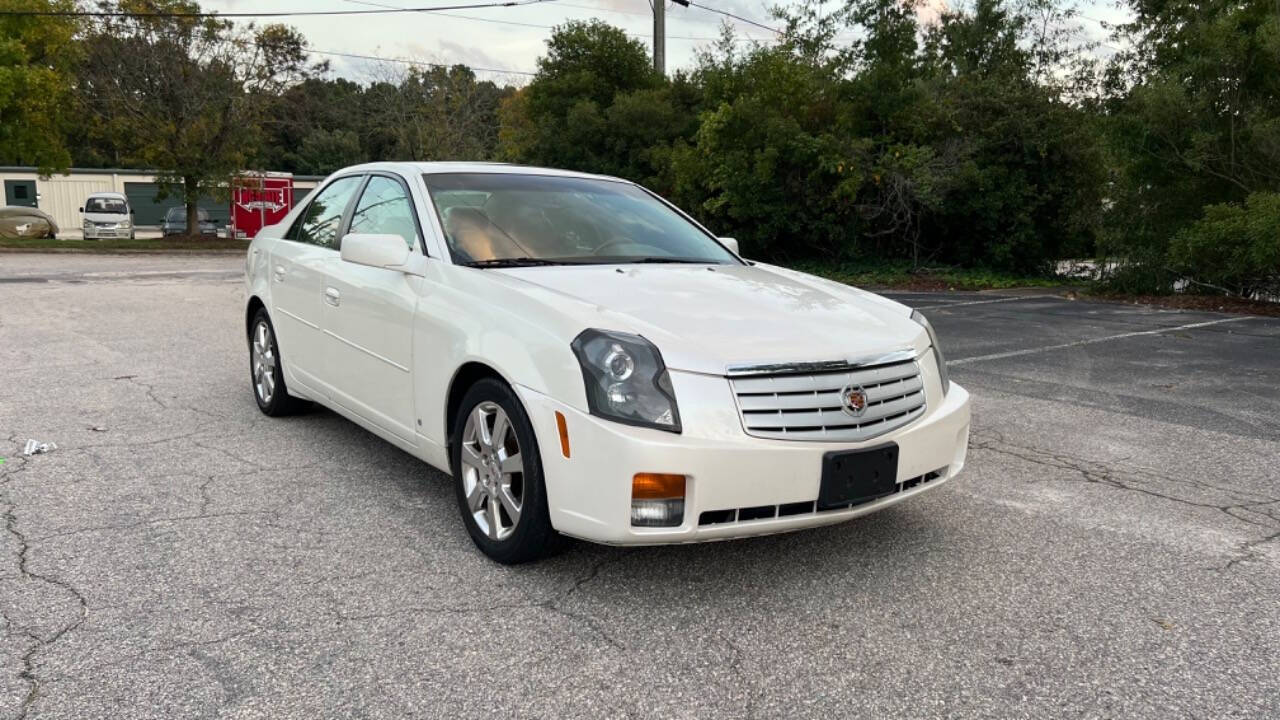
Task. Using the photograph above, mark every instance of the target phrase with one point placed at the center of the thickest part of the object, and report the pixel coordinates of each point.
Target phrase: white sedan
(584, 359)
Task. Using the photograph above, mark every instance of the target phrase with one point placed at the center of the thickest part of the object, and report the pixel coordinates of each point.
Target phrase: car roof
(112, 195)
(434, 168)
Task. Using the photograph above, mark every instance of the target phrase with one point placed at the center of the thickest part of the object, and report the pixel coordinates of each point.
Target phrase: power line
(726, 13)
(404, 61)
(283, 14)
(537, 25)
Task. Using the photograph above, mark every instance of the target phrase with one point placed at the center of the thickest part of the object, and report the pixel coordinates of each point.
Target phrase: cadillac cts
(583, 358)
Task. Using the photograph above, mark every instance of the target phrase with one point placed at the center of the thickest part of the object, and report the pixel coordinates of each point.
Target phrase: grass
(902, 276)
(168, 244)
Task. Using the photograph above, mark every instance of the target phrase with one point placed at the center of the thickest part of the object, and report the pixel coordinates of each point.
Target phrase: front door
(368, 317)
(20, 192)
(297, 267)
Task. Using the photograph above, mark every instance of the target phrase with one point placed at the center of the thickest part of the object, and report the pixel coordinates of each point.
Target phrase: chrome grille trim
(789, 406)
(809, 368)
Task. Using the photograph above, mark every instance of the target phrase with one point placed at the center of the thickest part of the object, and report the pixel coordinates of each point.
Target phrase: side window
(384, 209)
(319, 223)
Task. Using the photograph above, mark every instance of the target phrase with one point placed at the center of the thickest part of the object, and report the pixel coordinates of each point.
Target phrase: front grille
(808, 406)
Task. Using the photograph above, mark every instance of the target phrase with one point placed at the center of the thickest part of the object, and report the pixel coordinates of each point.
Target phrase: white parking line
(995, 300)
(1091, 341)
(144, 273)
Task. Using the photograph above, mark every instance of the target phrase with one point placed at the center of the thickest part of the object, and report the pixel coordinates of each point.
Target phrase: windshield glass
(111, 206)
(495, 217)
(179, 214)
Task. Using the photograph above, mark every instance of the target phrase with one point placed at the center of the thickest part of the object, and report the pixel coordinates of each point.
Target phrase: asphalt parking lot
(1112, 550)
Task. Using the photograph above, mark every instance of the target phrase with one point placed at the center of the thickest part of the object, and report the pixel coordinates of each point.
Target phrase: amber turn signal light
(654, 486)
(564, 433)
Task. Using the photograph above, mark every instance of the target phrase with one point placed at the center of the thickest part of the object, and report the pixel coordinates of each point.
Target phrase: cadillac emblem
(853, 400)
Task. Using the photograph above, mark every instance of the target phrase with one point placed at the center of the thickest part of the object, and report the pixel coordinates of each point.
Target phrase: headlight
(937, 350)
(87, 225)
(626, 380)
(125, 223)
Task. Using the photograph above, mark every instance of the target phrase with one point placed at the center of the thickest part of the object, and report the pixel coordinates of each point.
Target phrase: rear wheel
(498, 478)
(266, 374)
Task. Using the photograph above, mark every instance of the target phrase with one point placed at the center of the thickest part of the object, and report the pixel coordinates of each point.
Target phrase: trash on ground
(38, 448)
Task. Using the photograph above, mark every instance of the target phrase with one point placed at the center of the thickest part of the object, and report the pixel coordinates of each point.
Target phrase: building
(62, 196)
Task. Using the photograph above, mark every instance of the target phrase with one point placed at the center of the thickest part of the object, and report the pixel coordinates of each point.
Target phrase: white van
(107, 215)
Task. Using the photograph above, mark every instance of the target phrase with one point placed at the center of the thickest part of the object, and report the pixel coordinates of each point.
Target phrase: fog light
(657, 500)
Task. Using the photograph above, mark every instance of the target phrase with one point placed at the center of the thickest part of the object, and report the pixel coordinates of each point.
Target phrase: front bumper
(590, 491)
(100, 233)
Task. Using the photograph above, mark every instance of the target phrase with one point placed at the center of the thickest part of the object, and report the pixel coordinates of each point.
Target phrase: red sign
(259, 200)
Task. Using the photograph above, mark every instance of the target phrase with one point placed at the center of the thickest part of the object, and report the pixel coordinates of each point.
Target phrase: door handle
(332, 296)
(279, 272)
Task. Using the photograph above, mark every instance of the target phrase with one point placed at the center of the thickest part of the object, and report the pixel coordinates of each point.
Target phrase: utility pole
(659, 37)
(660, 33)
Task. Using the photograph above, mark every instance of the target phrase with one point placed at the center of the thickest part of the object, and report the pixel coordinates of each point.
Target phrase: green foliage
(1193, 117)
(596, 104)
(1235, 247)
(36, 55)
(990, 138)
(956, 149)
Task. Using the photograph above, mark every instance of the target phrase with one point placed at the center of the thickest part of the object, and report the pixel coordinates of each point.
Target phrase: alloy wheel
(264, 363)
(492, 471)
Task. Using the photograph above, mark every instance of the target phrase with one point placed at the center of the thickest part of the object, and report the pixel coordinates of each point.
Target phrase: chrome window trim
(824, 366)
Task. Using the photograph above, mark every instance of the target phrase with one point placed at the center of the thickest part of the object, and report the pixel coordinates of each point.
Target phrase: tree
(36, 57)
(1193, 109)
(315, 127)
(437, 113)
(184, 95)
(560, 120)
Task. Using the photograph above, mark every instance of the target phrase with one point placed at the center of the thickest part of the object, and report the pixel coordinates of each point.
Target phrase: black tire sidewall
(533, 537)
(278, 404)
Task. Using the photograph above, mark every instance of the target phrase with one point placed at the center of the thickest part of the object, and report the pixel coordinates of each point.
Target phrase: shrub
(1234, 247)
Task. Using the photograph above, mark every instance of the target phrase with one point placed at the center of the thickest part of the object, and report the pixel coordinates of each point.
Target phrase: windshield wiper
(513, 262)
(691, 261)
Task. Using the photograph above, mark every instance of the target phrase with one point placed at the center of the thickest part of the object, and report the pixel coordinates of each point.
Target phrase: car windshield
(179, 214)
(509, 219)
(110, 206)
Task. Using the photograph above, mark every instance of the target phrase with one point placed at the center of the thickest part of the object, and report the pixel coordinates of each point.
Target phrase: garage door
(149, 211)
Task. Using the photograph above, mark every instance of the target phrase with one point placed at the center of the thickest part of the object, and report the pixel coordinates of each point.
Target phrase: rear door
(368, 315)
(297, 266)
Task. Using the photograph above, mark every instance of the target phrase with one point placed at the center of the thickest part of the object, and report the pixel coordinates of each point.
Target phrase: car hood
(105, 217)
(708, 318)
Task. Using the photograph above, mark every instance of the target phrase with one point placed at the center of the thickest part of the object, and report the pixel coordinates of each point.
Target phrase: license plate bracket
(853, 477)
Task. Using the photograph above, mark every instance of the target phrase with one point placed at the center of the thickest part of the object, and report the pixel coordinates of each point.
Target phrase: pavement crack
(28, 673)
(1249, 550)
(149, 387)
(1102, 474)
(556, 604)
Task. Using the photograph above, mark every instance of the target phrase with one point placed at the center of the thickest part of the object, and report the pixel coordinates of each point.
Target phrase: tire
(266, 371)
(480, 485)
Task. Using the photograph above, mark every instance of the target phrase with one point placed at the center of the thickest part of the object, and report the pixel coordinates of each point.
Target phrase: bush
(1234, 247)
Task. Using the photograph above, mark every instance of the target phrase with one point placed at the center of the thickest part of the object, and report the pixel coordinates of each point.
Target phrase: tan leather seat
(470, 231)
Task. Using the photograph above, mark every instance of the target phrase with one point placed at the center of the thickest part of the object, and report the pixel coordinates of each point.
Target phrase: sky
(506, 41)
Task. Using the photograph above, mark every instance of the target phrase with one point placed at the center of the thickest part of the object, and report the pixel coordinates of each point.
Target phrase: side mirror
(730, 243)
(81, 209)
(381, 251)
(131, 211)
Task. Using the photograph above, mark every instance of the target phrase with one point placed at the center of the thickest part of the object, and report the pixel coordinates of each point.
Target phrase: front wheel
(497, 474)
(266, 374)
